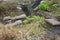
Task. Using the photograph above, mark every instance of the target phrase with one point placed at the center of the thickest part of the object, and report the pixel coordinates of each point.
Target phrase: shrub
(2, 7)
(44, 5)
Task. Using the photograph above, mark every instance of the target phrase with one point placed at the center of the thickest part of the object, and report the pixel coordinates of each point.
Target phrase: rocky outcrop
(15, 20)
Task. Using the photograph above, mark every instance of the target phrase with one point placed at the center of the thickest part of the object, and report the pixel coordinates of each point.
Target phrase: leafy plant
(44, 5)
(34, 19)
(27, 19)
(42, 19)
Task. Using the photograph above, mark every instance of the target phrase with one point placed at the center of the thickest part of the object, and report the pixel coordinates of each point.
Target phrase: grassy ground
(31, 31)
(32, 27)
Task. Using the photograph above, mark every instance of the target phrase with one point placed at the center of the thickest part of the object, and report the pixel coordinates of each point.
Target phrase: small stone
(19, 7)
(17, 22)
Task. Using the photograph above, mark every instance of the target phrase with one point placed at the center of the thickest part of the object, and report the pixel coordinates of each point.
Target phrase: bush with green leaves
(44, 5)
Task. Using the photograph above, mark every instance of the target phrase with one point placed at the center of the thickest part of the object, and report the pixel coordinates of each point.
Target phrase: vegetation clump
(34, 19)
(44, 5)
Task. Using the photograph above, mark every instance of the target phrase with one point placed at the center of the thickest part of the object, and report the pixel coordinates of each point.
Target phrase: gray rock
(17, 22)
(19, 17)
(7, 18)
(18, 7)
(53, 22)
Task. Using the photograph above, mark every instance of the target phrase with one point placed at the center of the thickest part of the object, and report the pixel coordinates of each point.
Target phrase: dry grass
(9, 33)
(30, 31)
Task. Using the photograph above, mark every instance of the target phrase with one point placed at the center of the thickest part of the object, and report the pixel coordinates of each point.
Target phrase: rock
(7, 22)
(19, 8)
(9, 19)
(53, 22)
(6, 18)
(20, 17)
(17, 22)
